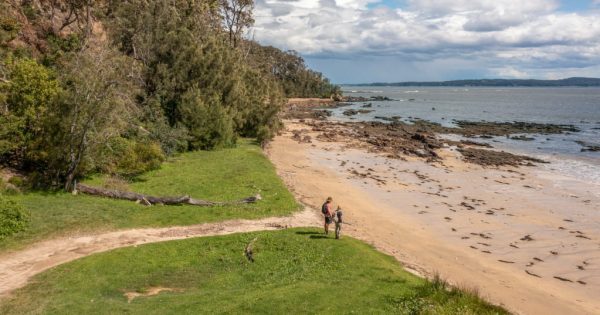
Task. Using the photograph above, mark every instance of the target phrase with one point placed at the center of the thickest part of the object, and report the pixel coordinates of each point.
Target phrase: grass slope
(295, 271)
(221, 175)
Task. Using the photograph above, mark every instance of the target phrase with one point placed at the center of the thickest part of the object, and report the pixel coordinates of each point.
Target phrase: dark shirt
(338, 215)
(326, 209)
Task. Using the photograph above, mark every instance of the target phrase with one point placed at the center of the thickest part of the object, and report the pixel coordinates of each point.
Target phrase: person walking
(326, 210)
(337, 218)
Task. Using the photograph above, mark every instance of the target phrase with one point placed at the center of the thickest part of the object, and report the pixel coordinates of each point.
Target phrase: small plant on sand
(409, 305)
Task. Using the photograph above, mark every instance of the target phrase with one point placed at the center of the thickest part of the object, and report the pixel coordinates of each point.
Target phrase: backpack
(325, 209)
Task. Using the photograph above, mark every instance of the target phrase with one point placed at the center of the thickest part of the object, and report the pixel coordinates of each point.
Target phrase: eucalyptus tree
(237, 17)
(96, 106)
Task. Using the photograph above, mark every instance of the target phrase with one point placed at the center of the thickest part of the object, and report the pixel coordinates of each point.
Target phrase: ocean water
(567, 105)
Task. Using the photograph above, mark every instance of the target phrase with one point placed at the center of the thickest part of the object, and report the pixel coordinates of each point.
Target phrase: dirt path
(18, 267)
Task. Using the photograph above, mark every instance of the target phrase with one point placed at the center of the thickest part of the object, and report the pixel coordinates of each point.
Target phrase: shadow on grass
(321, 237)
(308, 233)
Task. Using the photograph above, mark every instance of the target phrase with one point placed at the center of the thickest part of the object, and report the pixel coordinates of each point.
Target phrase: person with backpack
(326, 211)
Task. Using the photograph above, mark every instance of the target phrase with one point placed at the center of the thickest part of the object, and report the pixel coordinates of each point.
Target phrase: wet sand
(523, 237)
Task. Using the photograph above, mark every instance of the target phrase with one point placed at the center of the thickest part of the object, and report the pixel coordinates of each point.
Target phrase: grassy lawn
(295, 271)
(221, 175)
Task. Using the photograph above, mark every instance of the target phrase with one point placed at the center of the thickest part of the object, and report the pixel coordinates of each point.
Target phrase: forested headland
(117, 86)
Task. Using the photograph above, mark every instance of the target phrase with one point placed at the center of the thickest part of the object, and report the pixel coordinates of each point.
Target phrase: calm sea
(576, 106)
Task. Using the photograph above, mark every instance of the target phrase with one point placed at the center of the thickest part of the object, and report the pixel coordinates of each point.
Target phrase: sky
(362, 41)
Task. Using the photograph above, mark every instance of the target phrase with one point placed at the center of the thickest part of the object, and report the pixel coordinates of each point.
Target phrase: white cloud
(510, 72)
(523, 34)
(502, 6)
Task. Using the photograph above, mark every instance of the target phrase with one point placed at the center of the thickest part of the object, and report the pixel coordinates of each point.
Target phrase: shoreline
(458, 220)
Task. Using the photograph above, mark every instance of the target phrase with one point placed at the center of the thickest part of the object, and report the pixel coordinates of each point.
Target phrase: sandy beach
(523, 237)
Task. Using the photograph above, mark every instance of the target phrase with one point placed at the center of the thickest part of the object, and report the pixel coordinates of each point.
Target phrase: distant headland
(575, 81)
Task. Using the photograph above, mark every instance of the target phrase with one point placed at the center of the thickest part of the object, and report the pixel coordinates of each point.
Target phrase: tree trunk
(151, 200)
(69, 181)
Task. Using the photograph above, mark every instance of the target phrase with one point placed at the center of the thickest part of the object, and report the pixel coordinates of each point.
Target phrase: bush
(9, 27)
(59, 46)
(8, 188)
(18, 181)
(149, 156)
(264, 135)
(129, 158)
(209, 124)
(13, 217)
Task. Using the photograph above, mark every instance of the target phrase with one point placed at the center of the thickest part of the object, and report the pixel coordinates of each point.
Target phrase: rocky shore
(524, 237)
(420, 138)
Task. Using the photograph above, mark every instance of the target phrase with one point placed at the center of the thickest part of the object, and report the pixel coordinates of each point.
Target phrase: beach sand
(524, 238)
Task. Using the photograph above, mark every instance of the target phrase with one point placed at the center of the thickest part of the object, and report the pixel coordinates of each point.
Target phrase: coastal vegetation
(13, 218)
(293, 270)
(115, 87)
(218, 175)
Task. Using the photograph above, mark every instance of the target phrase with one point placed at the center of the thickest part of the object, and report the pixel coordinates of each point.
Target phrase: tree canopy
(115, 86)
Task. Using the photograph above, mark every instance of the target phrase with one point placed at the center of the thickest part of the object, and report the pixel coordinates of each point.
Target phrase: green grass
(295, 271)
(221, 175)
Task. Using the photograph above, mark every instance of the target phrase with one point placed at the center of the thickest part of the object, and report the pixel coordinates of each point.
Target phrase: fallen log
(151, 200)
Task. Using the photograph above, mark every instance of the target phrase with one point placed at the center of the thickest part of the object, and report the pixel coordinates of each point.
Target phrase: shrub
(8, 189)
(13, 217)
(264, 135)
(209, 123)
(129, 158)
(9, 27)
(18, 181)
(149, 156)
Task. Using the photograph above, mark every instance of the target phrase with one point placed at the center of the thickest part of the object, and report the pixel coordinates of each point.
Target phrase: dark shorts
(328, 220)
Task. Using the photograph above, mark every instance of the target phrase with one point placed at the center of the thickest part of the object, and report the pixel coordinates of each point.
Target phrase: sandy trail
(524, 238)
(18, 267)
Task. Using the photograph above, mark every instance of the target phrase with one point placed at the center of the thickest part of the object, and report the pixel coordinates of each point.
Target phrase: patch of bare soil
(148, 292)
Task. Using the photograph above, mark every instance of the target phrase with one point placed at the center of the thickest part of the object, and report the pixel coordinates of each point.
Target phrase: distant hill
(499, 82)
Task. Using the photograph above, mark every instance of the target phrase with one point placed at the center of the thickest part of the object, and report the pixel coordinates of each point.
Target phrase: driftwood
(151, 200)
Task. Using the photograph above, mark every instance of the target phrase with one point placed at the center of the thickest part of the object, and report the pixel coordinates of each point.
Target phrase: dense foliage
(289, 69)
(115, 86)
(13, 217)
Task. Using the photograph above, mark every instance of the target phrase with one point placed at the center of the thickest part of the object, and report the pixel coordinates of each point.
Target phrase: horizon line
(462, 80)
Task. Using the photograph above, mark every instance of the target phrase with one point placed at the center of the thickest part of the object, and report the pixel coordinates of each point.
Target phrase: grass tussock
(116, 183)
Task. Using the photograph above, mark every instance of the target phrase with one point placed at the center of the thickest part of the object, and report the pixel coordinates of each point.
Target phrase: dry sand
(525, 238)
